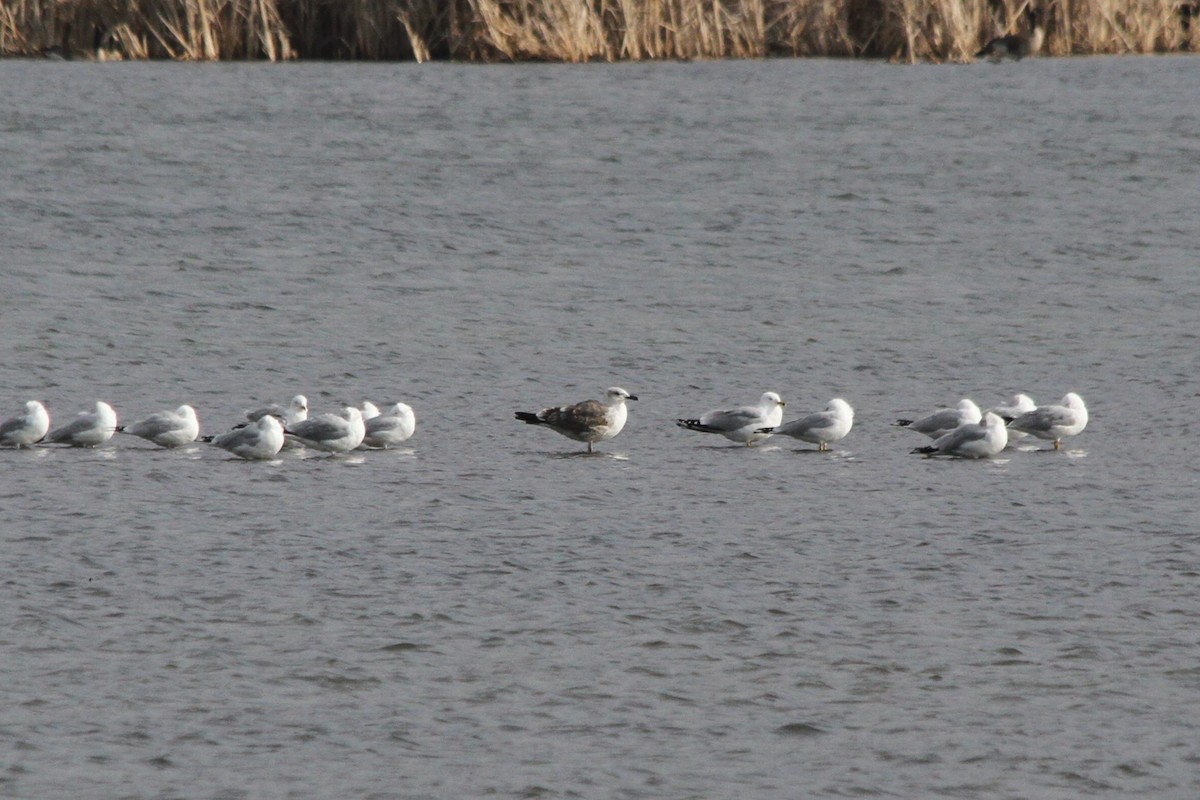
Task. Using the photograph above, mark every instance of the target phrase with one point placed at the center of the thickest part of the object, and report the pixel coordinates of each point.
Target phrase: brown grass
(577, 30)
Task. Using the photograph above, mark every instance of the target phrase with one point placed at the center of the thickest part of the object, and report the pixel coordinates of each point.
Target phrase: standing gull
(330, 432)
(88, 429)
(1054, 422)
(821, 428)
(167, 428)
(743, 424)
(259, 440)
(971, 440)
(944, 420)
(590, 421)
(27, 428)
(395, 424)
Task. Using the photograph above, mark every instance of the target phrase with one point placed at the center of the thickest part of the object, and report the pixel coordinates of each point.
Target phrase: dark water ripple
(488, 612)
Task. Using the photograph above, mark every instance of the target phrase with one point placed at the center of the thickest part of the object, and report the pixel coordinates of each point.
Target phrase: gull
(369, 410)
(971, 440)
(88, 429)
(26, 428)
(743, 424)
(295, 411)
(261, 439)
(1054, 421)
(821, 428)
(331, 432)
(1018, 405)
(944, 420)
(395, 424)
(590, 421)
(166, 428)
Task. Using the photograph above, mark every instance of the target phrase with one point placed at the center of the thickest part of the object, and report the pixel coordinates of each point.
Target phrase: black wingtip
(528, 417)
(765, 430)
(927, 450)
(207, 438)
(119, 429)
(904, 423)
(687, 423)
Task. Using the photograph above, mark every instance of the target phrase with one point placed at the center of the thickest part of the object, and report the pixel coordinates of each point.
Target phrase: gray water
(486, 612)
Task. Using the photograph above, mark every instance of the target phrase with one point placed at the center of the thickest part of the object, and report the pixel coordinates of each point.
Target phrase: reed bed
(579, 30)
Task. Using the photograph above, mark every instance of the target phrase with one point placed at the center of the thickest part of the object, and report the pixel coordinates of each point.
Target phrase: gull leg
(1056, 443)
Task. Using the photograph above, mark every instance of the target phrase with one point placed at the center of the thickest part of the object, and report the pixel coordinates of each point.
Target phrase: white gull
(971, 440)
(331, 432)
(1054, 422)
(295, 411)
(744, 424)
(26, 428)
(166, 428)
(1018, 405)
(395, 424)
(822, 428)
(88, 429)
(261, 439)
(944, 420)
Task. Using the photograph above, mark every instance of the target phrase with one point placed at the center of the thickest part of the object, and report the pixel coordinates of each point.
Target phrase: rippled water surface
(486, 611)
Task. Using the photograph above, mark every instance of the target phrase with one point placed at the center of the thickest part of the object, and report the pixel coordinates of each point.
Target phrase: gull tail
(694, 425)
(528, 417)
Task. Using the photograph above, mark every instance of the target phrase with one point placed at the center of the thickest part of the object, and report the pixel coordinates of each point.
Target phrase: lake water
(485, 612)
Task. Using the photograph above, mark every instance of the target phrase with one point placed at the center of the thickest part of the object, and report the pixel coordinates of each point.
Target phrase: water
(486, 612)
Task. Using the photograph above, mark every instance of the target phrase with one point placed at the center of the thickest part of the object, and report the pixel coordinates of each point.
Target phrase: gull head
(615, 394)
(840, 407)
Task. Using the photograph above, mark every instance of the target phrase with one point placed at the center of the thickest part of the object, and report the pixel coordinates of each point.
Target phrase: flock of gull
(265, 432)
(963, 431)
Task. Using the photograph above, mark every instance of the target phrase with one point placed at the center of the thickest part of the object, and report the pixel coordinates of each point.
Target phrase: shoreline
(575, 31)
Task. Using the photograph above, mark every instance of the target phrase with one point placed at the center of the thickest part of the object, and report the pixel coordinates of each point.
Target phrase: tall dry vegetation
(579, 30)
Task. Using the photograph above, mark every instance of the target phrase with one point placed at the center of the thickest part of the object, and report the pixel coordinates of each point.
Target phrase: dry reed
(579, 30)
